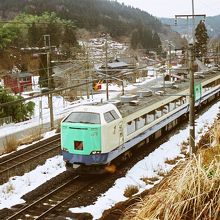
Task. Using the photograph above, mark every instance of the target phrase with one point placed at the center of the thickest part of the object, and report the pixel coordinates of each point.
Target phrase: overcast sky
(170, 8)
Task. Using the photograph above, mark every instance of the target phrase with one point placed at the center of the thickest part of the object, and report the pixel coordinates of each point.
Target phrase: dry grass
(150, 180)
(10, 144)
(36, 135)
(184, 148)
(130, 191)
(191, 192)
(173, 161)
(215, 133)
(162, 173)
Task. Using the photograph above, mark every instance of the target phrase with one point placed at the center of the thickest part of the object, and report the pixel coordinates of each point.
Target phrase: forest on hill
(90, 14)
(95, 16)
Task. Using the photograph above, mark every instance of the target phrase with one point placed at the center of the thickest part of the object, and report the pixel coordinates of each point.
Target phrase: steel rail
(28, 152)
(60, 188)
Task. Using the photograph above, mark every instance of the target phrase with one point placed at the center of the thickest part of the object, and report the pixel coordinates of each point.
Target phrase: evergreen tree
(134, 40)
(143, 38)
(18, 111)
(156, 43)
(33, 35)
(27, 30)
(201, 40)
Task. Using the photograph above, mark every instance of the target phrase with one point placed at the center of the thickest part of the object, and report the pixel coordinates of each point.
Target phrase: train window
(130, 127)
(108, 117)
(139, 123)
(115, 115)
(78, 145)
(83, 117)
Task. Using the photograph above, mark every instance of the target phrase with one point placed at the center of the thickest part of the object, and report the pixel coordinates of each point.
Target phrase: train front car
(88, 135)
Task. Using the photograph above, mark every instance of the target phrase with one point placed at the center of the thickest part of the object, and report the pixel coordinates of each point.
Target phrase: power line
(36, 22)
(61, 89)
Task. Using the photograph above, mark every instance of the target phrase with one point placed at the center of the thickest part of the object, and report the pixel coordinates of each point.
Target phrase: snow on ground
(12, 191)
(62, 108)
(149, 167)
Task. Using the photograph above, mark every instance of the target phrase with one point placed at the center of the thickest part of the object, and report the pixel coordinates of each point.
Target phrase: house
(18, 81)
(117, 65)
(70, 75)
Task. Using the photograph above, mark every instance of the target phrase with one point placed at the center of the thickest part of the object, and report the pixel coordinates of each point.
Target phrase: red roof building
(18, 82)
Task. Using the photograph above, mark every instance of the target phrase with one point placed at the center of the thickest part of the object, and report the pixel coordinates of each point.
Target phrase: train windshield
(83, 117)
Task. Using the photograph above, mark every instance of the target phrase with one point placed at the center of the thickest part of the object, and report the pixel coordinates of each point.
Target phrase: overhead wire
(62, 89)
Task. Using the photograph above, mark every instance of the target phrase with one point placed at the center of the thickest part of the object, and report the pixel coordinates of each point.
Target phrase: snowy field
(12, 191)
(149, 166)
(62, 108)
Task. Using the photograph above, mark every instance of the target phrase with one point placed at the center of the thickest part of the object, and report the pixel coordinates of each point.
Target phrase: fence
(6, 120)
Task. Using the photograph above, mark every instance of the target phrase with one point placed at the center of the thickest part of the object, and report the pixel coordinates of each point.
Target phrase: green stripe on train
(89, 134)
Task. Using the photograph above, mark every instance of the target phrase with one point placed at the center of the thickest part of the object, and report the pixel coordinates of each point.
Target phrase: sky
(170, 8)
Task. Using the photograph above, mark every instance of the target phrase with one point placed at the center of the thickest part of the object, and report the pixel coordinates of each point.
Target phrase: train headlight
(95, 152)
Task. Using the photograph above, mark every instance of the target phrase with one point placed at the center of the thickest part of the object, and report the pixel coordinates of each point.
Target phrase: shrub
(173, 161)
(11, 144)
(191, 192)
(150, 180)
(18, 111)
(130, 191)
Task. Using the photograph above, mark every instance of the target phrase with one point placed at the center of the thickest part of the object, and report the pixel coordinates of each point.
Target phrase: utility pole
(87, 69)
(169, 61)
(191, 102)
(106, 65)
(50, 96)
(191, 74)
(217, 54)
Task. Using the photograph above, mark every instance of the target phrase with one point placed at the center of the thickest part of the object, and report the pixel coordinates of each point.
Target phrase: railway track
(58, 200)
(27, 159)
(74, 192)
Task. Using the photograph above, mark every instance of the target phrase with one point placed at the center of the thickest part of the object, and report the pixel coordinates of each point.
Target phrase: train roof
(173, 93)
(152, 102)
(96, 107)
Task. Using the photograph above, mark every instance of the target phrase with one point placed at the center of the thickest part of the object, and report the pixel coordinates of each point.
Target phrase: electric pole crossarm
(191, 75)
(190, 16)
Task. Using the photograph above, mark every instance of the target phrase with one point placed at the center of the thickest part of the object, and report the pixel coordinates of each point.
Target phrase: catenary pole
(106, 65)
(192, 93)
(191, 76)
(50, 96)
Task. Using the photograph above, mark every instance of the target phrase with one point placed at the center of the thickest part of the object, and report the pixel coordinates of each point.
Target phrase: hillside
(93, 15)
(31, 19)
(109, 15)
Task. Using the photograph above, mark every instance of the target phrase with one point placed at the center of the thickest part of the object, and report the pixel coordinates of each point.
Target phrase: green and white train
(94, 136)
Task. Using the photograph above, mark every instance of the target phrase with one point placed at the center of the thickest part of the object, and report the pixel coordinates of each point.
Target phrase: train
(96, 135)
